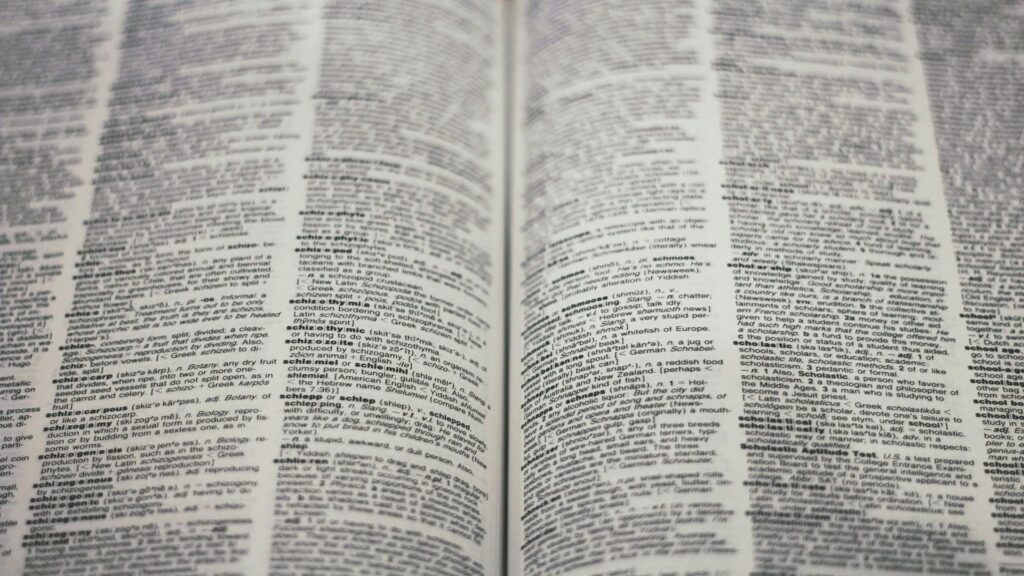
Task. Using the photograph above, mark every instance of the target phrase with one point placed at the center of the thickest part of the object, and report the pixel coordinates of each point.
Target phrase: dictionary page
(766, 288)
(252, 287)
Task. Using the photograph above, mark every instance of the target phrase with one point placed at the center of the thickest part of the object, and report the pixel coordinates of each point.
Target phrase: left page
(250, 287)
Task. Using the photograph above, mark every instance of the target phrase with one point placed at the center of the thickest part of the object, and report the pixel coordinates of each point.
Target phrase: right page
(767, 288)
